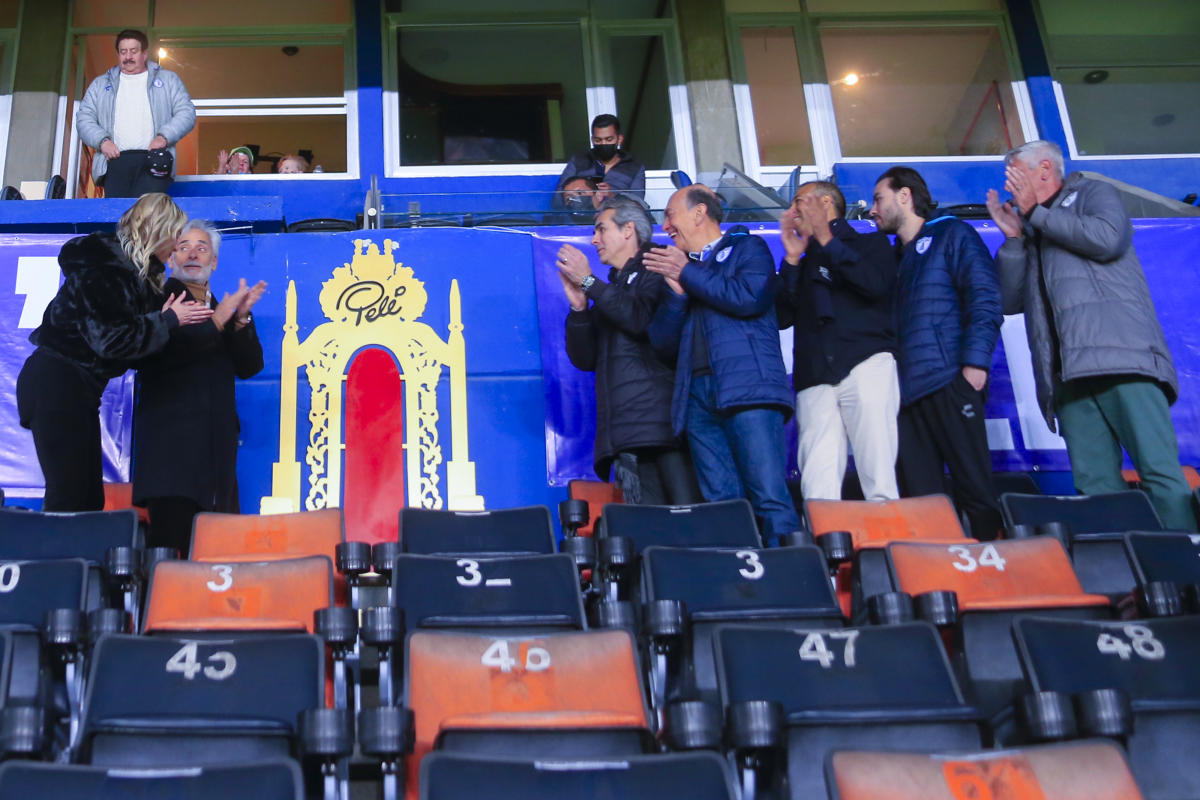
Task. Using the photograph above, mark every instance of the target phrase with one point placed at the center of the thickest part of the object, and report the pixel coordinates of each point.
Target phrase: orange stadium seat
(994, 582)
(873, 525)
(190, 596)
(1190, 474)
(597, 494)
(269, 537)
(555, 696)
(119, 496)
(1094, 770)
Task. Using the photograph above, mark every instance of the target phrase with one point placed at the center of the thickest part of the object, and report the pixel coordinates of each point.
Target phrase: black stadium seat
(1152, 664)
(1095, 526)
(772, 587)
(522, 592)
(526, 530)
(34, 536)
(164, 701)
(887, 687)
(729, 523)
(681, 776)
(275, 780)
(1171, 557)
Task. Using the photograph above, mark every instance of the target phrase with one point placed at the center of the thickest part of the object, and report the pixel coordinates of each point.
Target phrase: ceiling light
(1096, 76)
(851, 78)
(162, 53)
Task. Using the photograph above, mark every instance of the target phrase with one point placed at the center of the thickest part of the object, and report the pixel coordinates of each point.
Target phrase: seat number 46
(537, 659)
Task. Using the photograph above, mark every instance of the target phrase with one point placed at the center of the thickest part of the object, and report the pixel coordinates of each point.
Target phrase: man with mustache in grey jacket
(1100, 359)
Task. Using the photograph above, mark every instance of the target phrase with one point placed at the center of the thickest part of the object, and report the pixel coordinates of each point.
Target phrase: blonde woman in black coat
(109, 312)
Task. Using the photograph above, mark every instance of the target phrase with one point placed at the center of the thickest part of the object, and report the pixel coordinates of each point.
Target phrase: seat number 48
(1141, 643)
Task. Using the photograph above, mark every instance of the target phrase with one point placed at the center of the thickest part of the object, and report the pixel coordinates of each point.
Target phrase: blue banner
(30, 276)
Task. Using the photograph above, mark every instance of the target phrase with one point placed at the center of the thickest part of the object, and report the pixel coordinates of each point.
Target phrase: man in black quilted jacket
(1100, 359)
(947, 322)
(608, 337)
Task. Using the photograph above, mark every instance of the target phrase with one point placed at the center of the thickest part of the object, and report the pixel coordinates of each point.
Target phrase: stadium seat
(1166, 557)
(270, 537)
(33, 536)
(729, 523)
(275, 780)
(771, 587)
(163, 701)
(887, 687)
(119, 496)
(1074, 771)
(597, 494)
(519, 592)
(33, 675)
(1094, 531)
(526, 530)
(1015, 482)
(872, 525)
(679, 776)
(1151, 664)
(1190, 474)
(992, 583)
(201, 598)
(557, 696)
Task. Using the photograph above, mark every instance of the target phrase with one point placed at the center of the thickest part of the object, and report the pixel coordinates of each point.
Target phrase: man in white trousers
(837, 297)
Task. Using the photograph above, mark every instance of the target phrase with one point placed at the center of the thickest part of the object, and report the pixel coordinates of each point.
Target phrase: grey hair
(629, 209)
(827, 189)
(206, 227)
(1033, 152)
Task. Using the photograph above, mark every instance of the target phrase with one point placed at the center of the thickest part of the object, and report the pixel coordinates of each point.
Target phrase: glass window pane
(1151, 32)
(777, 93)
(489, 95)
(112, 13)
(216, 72)
(921, 91)
(238, 13)
(469, 8)
(1132, 110)
(643, 102)
(325, 136)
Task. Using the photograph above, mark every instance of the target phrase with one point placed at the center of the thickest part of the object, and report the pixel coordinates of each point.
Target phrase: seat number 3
(754, 567)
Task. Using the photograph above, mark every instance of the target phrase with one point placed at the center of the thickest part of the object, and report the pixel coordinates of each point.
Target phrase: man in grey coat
(132, 116)
(1100, 359)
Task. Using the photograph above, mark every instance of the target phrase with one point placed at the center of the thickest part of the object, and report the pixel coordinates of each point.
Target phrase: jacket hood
(114, 72)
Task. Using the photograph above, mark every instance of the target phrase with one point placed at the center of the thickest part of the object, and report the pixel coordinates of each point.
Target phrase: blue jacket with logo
(732, 294)
(948, 310)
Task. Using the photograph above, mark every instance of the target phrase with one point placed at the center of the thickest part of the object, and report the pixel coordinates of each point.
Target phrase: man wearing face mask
(614, 170)
(187, 390)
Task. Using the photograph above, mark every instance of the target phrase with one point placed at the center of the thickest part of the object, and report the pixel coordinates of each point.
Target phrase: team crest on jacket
(724, 254)
(923, 244)
(1069, 199)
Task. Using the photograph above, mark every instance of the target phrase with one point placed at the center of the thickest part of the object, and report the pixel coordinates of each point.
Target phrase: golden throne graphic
(373, 305)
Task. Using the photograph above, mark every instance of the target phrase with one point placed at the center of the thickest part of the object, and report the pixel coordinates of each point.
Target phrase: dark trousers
(665, 477)
(171, 522)
(946, 429)
(61, 408)
(127, 176)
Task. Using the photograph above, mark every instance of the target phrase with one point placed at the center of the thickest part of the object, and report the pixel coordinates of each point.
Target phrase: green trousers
(1098, 416)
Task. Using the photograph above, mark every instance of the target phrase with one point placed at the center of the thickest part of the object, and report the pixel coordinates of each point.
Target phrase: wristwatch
(587, 282)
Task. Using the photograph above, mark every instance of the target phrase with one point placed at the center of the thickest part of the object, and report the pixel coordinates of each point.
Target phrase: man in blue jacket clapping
(717, 319)
(948, 317)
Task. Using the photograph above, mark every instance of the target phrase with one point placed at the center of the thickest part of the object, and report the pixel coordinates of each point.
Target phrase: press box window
(921, 91)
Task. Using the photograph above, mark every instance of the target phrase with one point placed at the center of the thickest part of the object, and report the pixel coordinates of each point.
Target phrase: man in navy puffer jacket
(948, 316)
(717, 319)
